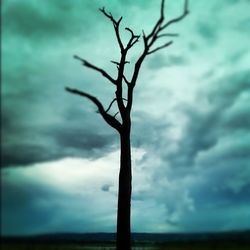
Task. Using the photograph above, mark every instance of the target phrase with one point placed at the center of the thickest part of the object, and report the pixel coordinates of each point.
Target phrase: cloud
(71, 138)
(46, 20)
(207, 123)
(204, 166)
(71, 194)
(160, 61)
(207, 31)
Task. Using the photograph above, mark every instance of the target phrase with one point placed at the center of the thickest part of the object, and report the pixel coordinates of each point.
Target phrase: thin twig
(179, 18)
(125, 79)
(160, 47)
(116, 25)
(167, 35)
(89, 65)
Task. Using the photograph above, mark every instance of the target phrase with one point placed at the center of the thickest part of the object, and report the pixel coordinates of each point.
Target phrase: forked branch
(149, 42)
(107, 117)
(133, 39)
(113, 101)
(116, 25)
(126, 80)
(177, 19)
(150, 39)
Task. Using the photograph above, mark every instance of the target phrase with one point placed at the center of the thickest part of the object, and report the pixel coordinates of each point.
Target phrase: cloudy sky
(191, 118)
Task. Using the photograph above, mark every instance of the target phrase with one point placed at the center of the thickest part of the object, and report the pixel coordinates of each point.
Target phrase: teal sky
(191, 118)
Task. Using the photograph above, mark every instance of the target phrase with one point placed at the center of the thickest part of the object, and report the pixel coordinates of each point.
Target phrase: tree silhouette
(124, 105)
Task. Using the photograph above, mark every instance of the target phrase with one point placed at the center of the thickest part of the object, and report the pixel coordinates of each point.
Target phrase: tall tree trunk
(123, 237)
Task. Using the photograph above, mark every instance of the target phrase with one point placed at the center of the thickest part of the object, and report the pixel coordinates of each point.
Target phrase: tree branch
(149, 40)
(110, 105)
(118, 63)
(126, 80)
(108, 118)
(179, 18)
(117, 113)
(167, 35)
(160, 47)
(116, 25)
(134, 39)
(91, 66)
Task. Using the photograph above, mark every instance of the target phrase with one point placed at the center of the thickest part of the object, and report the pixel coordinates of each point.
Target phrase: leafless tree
(124, 101)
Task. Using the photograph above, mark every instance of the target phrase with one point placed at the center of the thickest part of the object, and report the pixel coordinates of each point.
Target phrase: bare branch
(108, 118)
(157, 26)
(162, 9)
(160, 47)
(134, 39)
(116, 25)
(126, 80)
(89, 65)
(109, 15)
(118, 63)
(110, 105)
(149, 41)
(131, 31)
(179, 18)
(167, 35)
(134, 42)
(144, 38)
(160, 26)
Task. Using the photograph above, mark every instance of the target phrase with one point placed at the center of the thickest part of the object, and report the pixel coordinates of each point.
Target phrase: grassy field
(168, 246)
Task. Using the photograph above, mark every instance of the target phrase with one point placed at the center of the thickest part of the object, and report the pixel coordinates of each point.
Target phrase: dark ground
(142, 241)
(209, 245)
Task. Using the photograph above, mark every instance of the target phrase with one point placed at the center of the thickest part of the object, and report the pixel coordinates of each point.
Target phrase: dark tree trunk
(123, 237)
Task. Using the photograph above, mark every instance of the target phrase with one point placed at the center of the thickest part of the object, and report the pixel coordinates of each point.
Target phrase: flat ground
(168, 246)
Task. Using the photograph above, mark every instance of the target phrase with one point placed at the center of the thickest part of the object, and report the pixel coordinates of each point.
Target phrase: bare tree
(124, 100)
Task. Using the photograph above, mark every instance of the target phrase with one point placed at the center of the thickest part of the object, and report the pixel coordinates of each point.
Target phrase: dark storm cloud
(68, 138)
(221, 192)
(35, 130)
(80, 139)
(152, 128)
(25, 154)
(225, 91)
(205, 128)
(46, 19)
(27, 201)
(85, 135)
(226, 112)
(210, 161)
(212, 155)
(226, 182)
(89, 142)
